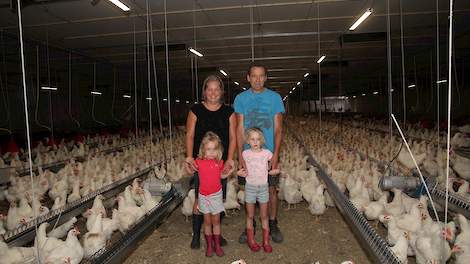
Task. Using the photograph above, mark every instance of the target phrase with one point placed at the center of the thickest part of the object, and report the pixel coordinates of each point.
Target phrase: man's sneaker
(274, 231)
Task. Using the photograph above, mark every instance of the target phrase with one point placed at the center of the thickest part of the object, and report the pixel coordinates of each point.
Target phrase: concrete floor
(307, 239)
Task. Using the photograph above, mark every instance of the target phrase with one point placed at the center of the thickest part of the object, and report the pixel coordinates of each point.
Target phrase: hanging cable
(389, 68)
(38, 87)
(70, 91)
(195, 57)
(50, 85)
(4, 87)
(319, 68)
(449, 103)
(168, 78)
(402, 46)
(252, 33)
(114, 95)
(135, 85)
(155, 79)
(432, 85)
(28, 133)
(93, 97)
(438, 78)
(149, 81)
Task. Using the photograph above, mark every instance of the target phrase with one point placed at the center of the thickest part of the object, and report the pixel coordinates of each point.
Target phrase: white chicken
(70, 252)
(95, 239)
(188, 202)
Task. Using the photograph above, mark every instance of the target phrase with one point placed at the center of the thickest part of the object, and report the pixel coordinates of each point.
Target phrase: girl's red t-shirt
(209, 175)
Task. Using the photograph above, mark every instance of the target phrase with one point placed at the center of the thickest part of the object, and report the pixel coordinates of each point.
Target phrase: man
(263, 108)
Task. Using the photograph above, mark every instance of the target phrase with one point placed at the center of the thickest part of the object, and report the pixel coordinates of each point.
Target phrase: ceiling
(287, 36)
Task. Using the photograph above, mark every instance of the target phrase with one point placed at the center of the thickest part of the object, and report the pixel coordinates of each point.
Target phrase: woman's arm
(232, 145)
(190, 127)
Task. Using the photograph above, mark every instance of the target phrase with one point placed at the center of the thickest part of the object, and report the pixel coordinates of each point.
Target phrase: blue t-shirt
(258, 110)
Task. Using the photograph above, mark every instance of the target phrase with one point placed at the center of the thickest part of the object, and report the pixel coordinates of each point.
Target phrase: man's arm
(277, 140)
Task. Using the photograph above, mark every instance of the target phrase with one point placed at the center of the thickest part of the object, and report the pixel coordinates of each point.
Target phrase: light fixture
(196, 52)
(391, 90)
(164, 99)
(412, 86)
(363, 94)
(321, 59)
(375, 93)
(354, 96)
(293, 88)
(442, 81)
(244, 88)
(195, 102)
(96, 93)
(306, 74)
(236, 83)
(177, 100)
(149, 98)
(187, 102)
(298, 83)
(290, 92)
(120, 5)
(126, 96)
(223, 72)
(361, 19)
(48, 88)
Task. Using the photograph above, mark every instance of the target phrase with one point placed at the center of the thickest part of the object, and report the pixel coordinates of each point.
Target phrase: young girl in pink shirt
(256, 188)
(210, 168)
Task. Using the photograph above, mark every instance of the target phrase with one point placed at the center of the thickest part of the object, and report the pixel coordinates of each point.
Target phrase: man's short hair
(257, 65)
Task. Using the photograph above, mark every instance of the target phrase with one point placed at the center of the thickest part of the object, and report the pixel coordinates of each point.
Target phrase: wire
(402, 47)
(319, 68)
(449, 103)
(28, 134)
(38, 84)
(389, 69)
(149, 81)
(155, 79)
(93, 97)
(70, 91)
(168, 79)
(252, 38)
(135, 85)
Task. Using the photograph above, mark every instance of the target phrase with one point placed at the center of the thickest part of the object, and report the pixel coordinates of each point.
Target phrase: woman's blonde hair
(213, 78)
(211, 137)
(255, 130)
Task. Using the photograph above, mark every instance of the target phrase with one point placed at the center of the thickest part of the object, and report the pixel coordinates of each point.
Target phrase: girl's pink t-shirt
(257, 166)
(209, 175)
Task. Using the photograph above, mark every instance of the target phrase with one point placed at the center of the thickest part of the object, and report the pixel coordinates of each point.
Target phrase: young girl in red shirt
(210, 168)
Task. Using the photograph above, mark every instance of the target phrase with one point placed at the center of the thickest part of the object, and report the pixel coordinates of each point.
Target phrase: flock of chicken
(411, 231)
(76, 180)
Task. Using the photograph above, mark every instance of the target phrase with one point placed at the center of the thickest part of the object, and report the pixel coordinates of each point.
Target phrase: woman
(211, 115)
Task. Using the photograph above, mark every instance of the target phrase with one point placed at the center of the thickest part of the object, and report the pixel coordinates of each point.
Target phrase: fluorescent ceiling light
(244, 88)
(442, 81)
(412, 86)
(177, 100)
(126, 96)
(391, 90)
(196, 52)
(187, 102)
(354, 96)
(306, 74)
(164, 99)
(321, 59)
(290, 92)
(236, 83)
(48, 88)
(95, 93)
(224, 73)
(298, 83)
(361, 19)
(375, 92)
(363, 94)
(120, 5)
(149, 98)
(293, 88)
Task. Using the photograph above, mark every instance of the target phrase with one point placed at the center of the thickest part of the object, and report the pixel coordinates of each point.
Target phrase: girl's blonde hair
(211, 137)
(213, 78)
(255, 130)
